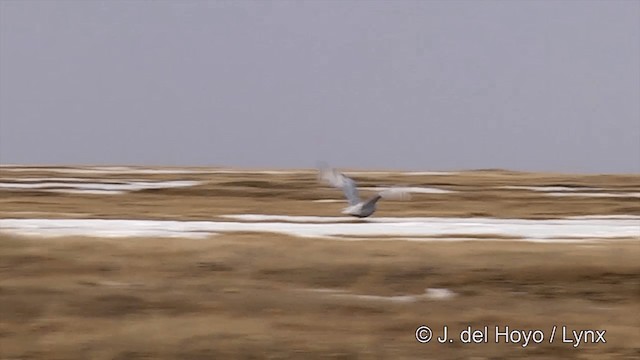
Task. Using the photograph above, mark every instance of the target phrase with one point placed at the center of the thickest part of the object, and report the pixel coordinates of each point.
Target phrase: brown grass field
(251, 295)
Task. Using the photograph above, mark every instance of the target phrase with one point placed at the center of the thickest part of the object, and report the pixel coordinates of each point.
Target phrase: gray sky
(417, 85)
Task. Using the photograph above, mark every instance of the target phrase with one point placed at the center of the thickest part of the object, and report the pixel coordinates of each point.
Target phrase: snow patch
(103, 170)
(406, 173)
(418, 229)
(550, 188)
(572, 191)
(621, 195)
(288, 218)
(439, 294)
(112, 187)
(409, 189)
(431, 294)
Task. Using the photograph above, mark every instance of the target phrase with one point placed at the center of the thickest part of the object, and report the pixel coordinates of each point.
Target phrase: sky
(407, 85)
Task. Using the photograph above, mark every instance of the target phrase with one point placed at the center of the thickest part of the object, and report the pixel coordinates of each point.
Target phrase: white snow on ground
(431, 294)
(410, 189)
(102, 170)
(62, 179)
(572, 191)
(298, 218)
(550, 188)
(328, 227)
(287, 218)
(103, 228)
(266, 172)
(137, 170)
(352, 173)
(622, 195)
(84, 191)
(407, 173)
(113, 187)
(439, 294)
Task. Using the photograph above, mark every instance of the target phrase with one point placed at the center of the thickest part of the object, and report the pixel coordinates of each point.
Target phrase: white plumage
(357, 207)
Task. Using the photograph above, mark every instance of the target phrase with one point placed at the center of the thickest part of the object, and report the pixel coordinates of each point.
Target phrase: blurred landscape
(283, 294)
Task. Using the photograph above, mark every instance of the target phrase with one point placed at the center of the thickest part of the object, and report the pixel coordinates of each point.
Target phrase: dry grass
(477, 193)
(244, 296)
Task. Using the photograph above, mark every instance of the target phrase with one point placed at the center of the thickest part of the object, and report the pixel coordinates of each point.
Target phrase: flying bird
(357, 207)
